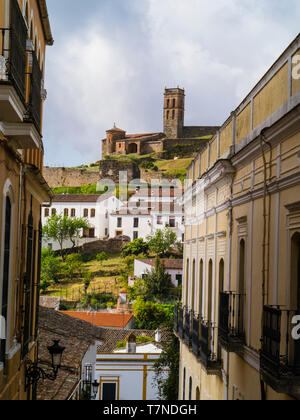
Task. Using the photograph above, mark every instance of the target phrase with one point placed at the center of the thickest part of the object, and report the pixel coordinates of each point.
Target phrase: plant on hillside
(136, 247)
(102, 257)
(162, 242)
(151, 315)
(61, 228)
(50, 269)
(157, 282)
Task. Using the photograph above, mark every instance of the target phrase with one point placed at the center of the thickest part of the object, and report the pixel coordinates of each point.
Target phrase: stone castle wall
(67, 177)
(109, 169)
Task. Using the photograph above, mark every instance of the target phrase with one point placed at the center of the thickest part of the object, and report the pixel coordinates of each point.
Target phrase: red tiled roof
(101, 319)
(74, 198)
(169, 264)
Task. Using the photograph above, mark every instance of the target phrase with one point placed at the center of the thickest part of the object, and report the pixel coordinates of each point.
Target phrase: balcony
(187, 329)
(20, 122)
(280, 353)
(231, 328)
(199, 337)
(13, 67)
(210, 360)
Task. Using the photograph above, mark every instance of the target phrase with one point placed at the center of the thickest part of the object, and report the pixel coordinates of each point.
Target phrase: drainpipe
(230, 224)
(266, 239)
(19, 248)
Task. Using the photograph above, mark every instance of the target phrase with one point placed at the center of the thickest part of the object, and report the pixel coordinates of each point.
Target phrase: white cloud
(116, 70)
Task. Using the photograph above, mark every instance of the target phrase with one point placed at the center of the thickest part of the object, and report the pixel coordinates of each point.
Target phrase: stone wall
(189, 132)
(68, 177)
(109, 169)
(110, 246)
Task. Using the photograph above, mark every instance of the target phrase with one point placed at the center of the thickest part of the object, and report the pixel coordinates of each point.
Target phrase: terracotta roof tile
(169, 264)
(100, 319)
(74, 198)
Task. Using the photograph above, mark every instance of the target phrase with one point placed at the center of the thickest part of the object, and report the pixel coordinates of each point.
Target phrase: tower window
(168, 114)
(173, 115)
(174, 103)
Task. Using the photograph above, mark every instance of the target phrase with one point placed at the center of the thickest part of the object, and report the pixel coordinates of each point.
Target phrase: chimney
(131, 344)
(158, 336)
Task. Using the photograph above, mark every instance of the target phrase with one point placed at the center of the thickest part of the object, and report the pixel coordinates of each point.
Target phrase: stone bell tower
(174, 104)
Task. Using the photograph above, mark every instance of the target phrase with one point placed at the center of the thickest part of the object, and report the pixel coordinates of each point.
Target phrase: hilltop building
(242, 250)
(118, 142)
(25, 33)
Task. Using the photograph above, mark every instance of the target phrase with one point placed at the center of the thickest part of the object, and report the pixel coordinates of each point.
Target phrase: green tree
(102, 257)
(151, 315)
(162, 242)
(136, 247)
(51, 268)
(157, 282)
(168, 386)
(73, 266)
(61, 228)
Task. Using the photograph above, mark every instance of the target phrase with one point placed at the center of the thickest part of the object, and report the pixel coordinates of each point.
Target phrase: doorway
(295, 287)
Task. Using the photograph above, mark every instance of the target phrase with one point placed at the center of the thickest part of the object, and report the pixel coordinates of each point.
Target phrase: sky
(112, 60)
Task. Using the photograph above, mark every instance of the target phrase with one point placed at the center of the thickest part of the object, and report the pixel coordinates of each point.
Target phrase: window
(119, 222)
(210, 288)
(136, 223)
(135, 235)
(93, 213)
(183, 387)
(173, 115)
(242, 277)
(6, 264)
(187, 282)
(28, 283)
(109, 392)
(172, 192)
(168, 115)
(172, 222)
(73, 213)
(174, 103)
(179, 279)
(193, 286)
(190, 389)
(47, 212)
(66, 212)
(106, 232)
(85, 213)
(201, 267)
(159, 220)
(53, 212)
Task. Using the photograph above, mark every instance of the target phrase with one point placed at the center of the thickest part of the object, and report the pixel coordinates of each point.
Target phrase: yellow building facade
(24, 34)
(242, 253)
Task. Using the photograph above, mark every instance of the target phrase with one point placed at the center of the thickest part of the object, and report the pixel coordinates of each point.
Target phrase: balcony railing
(14, 56)
(180, 323)
(187, 328)
(196, 336)
(209, 359)
(35, 94)
(176, 318)
(231, 328)
(280, 353)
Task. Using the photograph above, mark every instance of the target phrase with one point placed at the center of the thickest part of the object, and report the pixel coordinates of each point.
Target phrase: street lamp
(90, 389)
(34, 373)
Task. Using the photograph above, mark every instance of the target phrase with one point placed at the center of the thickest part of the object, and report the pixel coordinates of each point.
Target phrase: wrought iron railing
(196, 336)
(35, 94)
(14, 55)
(180, 323)
(231, 323)
(280, 353)
(176, 318)
(208, 357)
(187, 328)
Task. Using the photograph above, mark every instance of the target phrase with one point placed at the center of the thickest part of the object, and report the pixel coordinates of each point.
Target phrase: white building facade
(147, 211)
(173, 267)
(128, 374)
(95, 208)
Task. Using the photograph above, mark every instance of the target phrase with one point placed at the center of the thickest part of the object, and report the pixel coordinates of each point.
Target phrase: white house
(147, 211)
(128, 374)
(173, 267)
(93, 207)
